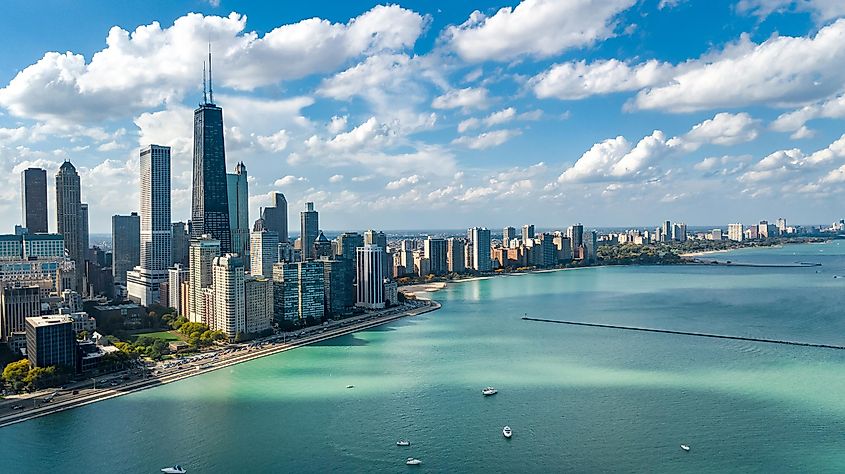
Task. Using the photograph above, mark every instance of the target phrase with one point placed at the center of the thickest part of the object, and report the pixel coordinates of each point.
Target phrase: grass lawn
(166, 336)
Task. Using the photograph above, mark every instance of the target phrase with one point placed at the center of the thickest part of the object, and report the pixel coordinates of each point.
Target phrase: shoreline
(434, 286)
(48, 408)
(419, 290)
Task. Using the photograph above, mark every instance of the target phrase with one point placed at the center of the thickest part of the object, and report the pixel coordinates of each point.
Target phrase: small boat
(413, 462)
(350, 386)
(685, 447)
(487, 391)
(403, 442)
(507, 431)
(177, 469)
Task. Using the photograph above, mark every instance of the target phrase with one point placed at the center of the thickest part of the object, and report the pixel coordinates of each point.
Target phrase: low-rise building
(50, 341)
(130, 314)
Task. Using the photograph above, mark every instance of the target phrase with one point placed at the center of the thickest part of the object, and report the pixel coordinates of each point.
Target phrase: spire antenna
(204, 96)
(210, 86)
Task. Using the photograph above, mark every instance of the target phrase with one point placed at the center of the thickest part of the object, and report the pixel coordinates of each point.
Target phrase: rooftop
(41, 321)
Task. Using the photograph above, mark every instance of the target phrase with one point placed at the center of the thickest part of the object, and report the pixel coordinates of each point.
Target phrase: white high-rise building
(370, 277)
(735, 232)
(203, 251)
(258, 304)
(679, 232)
(264, 252)
(155, 208)
(144, 281)
(229, 306)
(176, 275)
(481, 249)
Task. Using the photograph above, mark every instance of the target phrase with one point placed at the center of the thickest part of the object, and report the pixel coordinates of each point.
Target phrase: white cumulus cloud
(577, 79)
(539, 28)
(486, 139)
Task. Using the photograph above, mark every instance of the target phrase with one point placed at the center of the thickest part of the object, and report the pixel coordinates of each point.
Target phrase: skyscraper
(83, 230)
(455, 256)
(156, 227)
(258, 304)
(264, 252)
(508, 234)
(576, 236)
(144, 281)
(666, 231)
(679, 232)
(17, 302)
(179, 243)
(347, 243)
(735, 232)
(276, 216)
(176, 275)
(322, 247)
(338, 287)
(298, 291)
(203, 252)
(34, 200)
(69, 216)
(309, 230)
(372, 237)
(229, 307)
(481, 249)
(370, 277)
(435, 252)
(238, 191)
(527, 232)
(126, 245)
(209, 194)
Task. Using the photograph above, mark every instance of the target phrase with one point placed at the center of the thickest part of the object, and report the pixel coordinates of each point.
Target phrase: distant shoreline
(414, 288)
(419, 289)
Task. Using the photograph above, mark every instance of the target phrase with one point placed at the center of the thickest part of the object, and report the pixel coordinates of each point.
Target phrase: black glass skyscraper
(210, 199)
(34, 200)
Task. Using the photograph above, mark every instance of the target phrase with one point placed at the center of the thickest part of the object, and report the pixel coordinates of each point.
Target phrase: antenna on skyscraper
(204, 97)
(210, 86)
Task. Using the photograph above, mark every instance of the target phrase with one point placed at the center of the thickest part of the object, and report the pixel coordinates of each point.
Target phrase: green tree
(15, 372)
(40, 377)
(178, 322)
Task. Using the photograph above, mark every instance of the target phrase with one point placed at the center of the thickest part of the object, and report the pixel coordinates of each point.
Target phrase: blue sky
(426, 114)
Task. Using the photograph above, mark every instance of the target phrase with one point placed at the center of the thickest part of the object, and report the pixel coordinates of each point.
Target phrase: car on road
(17, 407)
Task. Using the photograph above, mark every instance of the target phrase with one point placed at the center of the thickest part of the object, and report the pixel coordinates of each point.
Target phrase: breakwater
(688, 333)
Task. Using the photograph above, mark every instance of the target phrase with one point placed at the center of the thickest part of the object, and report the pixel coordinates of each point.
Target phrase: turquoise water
(579, 399)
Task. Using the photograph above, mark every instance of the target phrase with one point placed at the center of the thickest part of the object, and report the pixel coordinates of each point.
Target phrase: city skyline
(580, 124)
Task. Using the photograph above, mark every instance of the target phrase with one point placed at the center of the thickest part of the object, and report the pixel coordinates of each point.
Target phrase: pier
(688, 333)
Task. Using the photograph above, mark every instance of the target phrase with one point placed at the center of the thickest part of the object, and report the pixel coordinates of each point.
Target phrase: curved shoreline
(97, 395)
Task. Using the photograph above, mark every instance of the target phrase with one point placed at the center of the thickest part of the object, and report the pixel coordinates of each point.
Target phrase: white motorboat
(507, 431)
(487, 391)
(403, 442)
(413, 462)
(350, 386)
(685, 447)
(177, 469)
